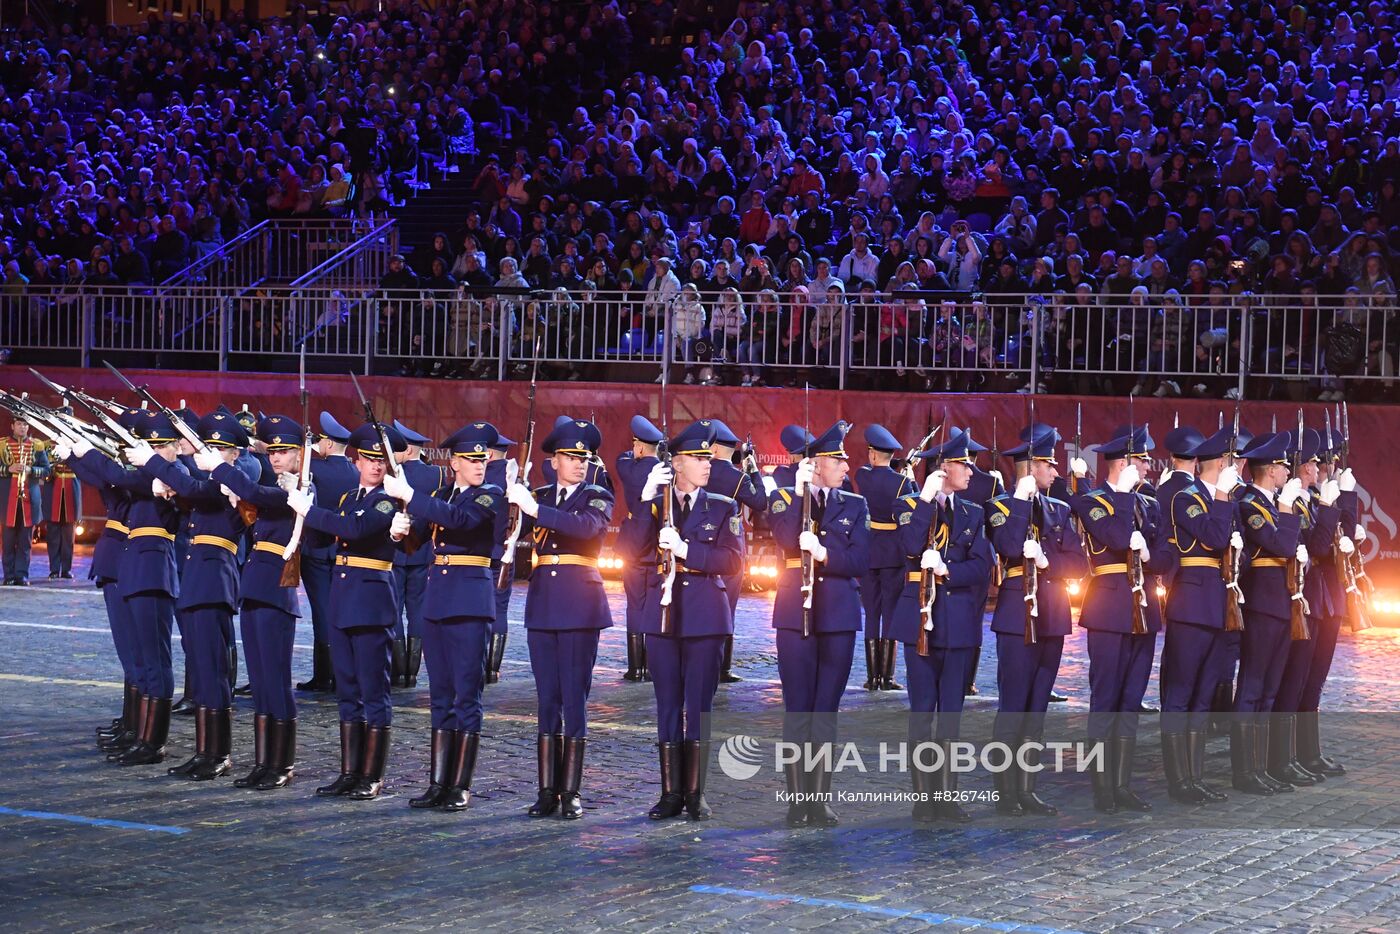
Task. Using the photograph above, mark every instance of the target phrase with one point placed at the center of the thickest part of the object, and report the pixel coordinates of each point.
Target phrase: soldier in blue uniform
(500, 472)
(20, 502)
(686, 644)
(632, 468)
(814, 665)
(1122, 527)
(796, 440)
(882, 488)
(1201, 515)
(268, 609)
(1269, 522)
(746, 488)
(106, 562)
(208, 589)
(459, 606)
(943, 532)
(1222, 702)
(1327, 626)
(565, 608)
(332, 476)
(1320, 521)
(1030, 526)
(363, 611)
(595, 473)
(63, 510)
(148, 580)
(411, 568)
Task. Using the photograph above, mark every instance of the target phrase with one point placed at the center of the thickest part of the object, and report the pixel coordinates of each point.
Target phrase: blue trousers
(1295, 672)
(17, 540)
(562, 661)
(360, 657)
(1229, 657)
(204, 632)
(267, 653)
(452, 650)
(152, 617)
(59, 536)
(411, 582)
(316, 577)
(1191, 665)
(1324, 647)
(119, 619)
(634, 588)
(1025, 677)
(879, 592)
(685, 676)
(1119, 666)
(501, 623)
(733, 587)
(814, 672)
(936, 682)
(1263, 654)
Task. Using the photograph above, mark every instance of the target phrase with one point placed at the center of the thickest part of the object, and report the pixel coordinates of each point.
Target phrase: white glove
(1025, 488)
(1360, 535)
(398, 488)
(1166, 475)
(512, 471)
(400, 527)
(1031, 549)
(81, 447)
(1229, 479)
(1329, 492)
(670, 539)
(1346, 481)
(138, 454)
(519, 495)
(810, 541)
(1302, 554)
(770, 486)
(998, 481)
(62, 451)
(805, 470)
(288, 481)
(207, 460)
(1345, 545)
(1138, 543)
(933, 485)
(1079, 467)
(659, 476)
(931, 560)
(159, 488)
(299, 501)
(232, 496)
(1042, 562)
(1292, 492)
(1237, 541)
(1128, 479)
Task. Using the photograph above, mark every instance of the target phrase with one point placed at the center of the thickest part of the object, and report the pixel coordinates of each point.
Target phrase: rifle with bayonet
(515, 522)
(291, 568)
(59, 427)
(1360, 590)
(410, 542)
(809, 564)
(1297, 570)
(100, 409)
(1030, 573)
(1230, 561)
(1137, 574)
(668, 564)
(928, 582)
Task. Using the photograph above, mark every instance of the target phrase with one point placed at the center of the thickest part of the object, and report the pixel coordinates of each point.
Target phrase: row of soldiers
(36, 490)
(916, 559)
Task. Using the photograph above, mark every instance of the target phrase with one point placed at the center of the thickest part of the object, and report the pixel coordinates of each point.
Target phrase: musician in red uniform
(63, 507)
(23, 467)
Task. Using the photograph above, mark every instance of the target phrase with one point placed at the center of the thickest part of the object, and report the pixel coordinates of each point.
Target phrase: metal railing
(1024, 341)
(278, 250)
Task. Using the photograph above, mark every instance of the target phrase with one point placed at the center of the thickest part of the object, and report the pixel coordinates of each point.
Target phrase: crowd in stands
(780, 158)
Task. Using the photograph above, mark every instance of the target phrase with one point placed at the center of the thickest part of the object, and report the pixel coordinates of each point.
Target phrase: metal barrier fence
(1021, 341)
(278, 250)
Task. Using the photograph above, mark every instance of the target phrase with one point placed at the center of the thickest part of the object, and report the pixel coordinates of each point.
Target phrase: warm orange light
(1074, 588)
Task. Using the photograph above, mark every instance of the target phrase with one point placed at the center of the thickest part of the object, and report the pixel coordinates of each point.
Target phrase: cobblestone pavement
(187, 855)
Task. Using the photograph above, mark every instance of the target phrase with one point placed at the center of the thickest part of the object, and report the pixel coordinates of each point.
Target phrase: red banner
(439, 407)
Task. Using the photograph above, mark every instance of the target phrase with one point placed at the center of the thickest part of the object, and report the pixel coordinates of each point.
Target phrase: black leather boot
(1176, 764)
(672, 801)
(949, 809)
(397, 655)
(151, 748)
(220, 745)
(414, 663)
(888, 660)
(570, 803)
(352, 757)
(1122, 750)
(642, 660)
(282, 753)
(923, 782)
(131, 699)
(697, 767)
(1007, 784)
(233, 665)
(496, 657)
(549, 748)
(320, 669)
(439, 761)
(1196, 753)
(1222, 706)
(261, 756)
(1261, 757)
(872, 670)
(1102, 779)
(1283, 753)
(185, 706)
(124, 742)
(1244, 770)
(634, 668)
(819, 809)
(726, 673)
(970, 688)
(1026, 780)
(796, 780)
(376, 758)
(459, 791)
(201, 745)
(1310, 747)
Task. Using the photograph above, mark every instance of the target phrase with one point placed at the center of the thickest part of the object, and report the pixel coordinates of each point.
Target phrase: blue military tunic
(844, 528)
(331, 478)
(106, 563)
(632, 472)
(728, 480)
(882, 487)
(566, 590)
(958, 534)
(411, 567)
(1271, 540)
